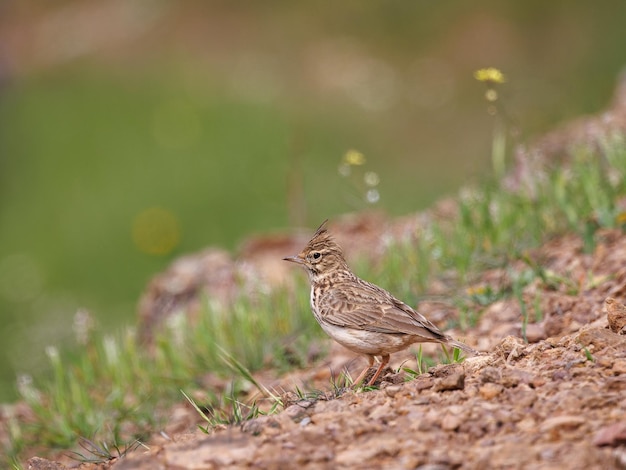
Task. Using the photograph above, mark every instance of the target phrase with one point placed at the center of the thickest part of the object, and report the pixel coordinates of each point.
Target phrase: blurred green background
(133, 132)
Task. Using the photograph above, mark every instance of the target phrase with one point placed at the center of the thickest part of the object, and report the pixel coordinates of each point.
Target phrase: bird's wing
(365, 306)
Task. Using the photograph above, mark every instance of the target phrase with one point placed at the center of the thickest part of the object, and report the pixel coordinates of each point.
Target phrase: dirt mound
(559, 403)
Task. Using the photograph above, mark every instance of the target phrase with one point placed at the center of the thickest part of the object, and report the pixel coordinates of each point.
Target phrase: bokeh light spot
(372, 196)
(371, 178)
(156, 231)
(491, 95)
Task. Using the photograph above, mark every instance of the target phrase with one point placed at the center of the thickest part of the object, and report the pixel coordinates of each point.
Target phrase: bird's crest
(323, 239)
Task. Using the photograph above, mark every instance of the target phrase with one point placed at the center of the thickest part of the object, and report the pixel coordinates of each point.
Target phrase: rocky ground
(557, 401)
(524, 406)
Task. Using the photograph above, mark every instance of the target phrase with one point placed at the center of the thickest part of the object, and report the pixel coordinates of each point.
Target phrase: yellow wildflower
(489, 75)
(476, 290)
(354, 158)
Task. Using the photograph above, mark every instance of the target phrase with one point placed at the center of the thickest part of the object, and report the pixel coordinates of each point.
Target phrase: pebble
(392, 390)
(258, 425)
(612, 435)
(454, 381)
(619, 367)
(567, 421)
(512, 377)
(490, 390)
(535, 332)
(601, 338)
(490, 375)
(296, 412)
(451, 422)
(423, 383)
(527, 424)
(620, 457)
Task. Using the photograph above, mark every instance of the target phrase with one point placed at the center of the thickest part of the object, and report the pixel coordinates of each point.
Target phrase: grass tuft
(495, 226)
(103, 453)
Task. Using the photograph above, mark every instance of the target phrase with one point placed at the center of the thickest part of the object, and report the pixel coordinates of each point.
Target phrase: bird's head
(321, 256)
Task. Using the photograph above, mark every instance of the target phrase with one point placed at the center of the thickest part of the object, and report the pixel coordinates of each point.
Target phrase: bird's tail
(464, 347)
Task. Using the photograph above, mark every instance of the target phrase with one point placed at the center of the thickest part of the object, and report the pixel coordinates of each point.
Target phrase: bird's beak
(295, 259)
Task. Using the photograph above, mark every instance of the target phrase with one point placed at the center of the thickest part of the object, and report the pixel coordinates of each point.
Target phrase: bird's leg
(384, 360)
(364, 373)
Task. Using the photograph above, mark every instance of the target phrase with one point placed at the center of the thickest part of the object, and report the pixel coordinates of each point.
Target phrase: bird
(359, 315)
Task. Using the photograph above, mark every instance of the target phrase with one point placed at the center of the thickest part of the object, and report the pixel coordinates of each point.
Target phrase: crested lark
(360, 315)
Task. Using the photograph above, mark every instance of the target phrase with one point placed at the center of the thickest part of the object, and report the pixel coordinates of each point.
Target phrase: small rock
(490, 375)
(455, 381)
(524, 396)
(258, 425)
(445, 370)
(527, 424)
(330, 406)
(554, 325)
(306, 403)
(296, 412)
(395, 379)
(384, 413)
(423, 382)
(490, 390)
(425, 400)
(620, 457)
(563, 422)
(451, 422)
(253, 427)
(547, 454)
(221, 451)
(37, 463)
(321, 454)
(612, 435)
(476, 363)
(511, 347)
(619, 367)
(601, 338)
(512, 377)
(535, 332)
(616, 383)
(606, 362)
(355, 457)
(392, 390)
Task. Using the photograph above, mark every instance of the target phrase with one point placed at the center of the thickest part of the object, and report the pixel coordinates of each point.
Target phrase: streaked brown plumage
(358, 314)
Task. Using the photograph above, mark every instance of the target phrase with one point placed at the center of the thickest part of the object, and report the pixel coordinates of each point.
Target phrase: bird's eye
(317, 255)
